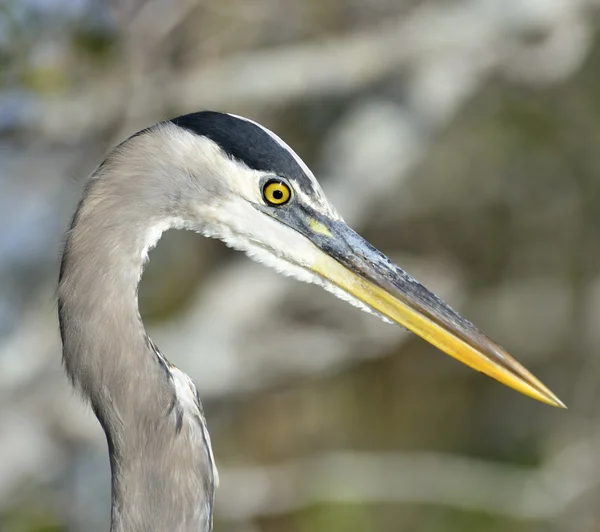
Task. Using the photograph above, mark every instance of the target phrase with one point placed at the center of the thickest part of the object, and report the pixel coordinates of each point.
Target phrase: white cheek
(274, 244)
(240, 181)
(243, 227)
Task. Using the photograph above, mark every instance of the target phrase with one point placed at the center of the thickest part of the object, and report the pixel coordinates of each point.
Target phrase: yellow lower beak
(409, 304)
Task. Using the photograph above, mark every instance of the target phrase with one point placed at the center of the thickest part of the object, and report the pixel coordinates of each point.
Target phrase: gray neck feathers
(162, 471)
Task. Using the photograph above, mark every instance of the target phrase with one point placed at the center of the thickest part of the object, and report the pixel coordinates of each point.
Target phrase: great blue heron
(230, 178)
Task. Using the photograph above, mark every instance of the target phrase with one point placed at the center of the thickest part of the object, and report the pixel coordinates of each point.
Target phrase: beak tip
(559, 404)
(546, 396)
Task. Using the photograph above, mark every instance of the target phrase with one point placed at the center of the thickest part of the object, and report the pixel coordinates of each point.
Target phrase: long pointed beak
(350, 262)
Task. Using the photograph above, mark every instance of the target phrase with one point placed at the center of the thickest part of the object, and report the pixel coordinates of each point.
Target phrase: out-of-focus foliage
(461, 137)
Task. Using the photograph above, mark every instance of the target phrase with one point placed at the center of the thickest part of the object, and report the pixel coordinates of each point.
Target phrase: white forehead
(320, 202)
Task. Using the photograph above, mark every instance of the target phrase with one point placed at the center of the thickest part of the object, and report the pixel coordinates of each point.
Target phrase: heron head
(266, 202)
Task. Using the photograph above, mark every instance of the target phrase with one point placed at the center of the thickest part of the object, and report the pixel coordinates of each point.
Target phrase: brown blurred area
(461, 137)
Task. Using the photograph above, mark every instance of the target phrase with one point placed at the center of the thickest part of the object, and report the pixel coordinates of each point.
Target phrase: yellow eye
(276, 192)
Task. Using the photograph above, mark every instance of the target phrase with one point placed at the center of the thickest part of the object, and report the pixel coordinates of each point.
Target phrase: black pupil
(277, 194)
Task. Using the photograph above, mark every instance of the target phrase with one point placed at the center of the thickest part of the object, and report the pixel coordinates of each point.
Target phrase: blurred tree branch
(450, 49)
(521, 493)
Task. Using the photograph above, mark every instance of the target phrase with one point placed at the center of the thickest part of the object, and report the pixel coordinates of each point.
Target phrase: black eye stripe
(247, 142)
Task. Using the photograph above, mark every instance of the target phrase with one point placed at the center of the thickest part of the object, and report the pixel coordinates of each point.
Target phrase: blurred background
(461, 137)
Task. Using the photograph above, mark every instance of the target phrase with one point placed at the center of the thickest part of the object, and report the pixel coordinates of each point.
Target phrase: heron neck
(162, 476)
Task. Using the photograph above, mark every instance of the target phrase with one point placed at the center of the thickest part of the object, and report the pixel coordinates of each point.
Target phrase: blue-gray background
(462, 137)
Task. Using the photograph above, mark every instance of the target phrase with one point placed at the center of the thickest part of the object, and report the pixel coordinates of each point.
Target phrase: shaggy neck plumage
(162, 478)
